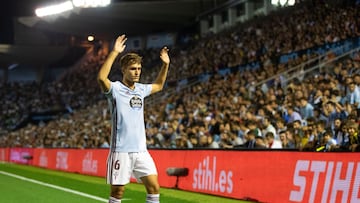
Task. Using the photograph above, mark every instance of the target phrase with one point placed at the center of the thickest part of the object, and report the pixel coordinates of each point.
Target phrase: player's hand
(119, 45)
(164, 56)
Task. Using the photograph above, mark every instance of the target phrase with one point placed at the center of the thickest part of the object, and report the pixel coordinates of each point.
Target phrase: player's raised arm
(103, 74)
(160, 80)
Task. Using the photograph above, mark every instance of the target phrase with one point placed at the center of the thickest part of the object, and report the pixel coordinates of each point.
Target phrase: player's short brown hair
(129, 59)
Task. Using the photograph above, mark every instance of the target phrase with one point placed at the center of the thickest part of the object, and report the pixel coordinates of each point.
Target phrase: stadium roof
(133, 17)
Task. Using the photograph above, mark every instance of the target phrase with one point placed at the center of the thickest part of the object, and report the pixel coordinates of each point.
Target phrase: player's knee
(117, 191)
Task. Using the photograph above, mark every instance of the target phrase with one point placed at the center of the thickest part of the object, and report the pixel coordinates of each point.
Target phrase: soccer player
(128, 153)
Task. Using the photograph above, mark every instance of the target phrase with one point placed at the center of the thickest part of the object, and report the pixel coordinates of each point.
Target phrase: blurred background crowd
(261, 107)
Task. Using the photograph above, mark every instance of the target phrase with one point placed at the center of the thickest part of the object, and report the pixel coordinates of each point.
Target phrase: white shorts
(121, 165)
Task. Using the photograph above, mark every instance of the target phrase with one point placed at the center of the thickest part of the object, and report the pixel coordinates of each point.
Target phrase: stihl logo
(88, 164)
(328, 181)
(205, 177)
(62, 160)
(43, 160)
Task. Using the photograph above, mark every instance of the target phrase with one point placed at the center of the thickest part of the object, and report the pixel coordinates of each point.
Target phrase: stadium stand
(235, 80)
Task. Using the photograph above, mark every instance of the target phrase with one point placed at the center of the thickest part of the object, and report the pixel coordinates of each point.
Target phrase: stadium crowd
(315, 112)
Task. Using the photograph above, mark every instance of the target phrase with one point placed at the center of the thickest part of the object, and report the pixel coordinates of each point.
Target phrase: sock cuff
(153, 195)
(152, 198)
(114, 200)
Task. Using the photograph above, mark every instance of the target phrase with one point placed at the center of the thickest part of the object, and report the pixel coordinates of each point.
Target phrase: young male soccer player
(128, 153)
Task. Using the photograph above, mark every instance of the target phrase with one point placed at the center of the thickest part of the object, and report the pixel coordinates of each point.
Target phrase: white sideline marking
(57, 187)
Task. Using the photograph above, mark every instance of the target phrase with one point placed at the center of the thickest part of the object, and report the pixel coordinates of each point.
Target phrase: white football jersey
(127, 116)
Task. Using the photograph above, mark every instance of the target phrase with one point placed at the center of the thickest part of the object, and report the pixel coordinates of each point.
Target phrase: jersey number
(117, 165)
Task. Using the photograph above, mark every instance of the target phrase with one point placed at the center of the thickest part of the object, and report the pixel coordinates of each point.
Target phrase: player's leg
(118, 175)
(116, 193)
(151, 183)
(152, 188)
(145, 170)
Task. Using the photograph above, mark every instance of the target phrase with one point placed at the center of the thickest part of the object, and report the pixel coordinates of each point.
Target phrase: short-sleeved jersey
(127, 116)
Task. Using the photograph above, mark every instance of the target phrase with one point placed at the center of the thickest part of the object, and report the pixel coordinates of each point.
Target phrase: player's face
(132, 73)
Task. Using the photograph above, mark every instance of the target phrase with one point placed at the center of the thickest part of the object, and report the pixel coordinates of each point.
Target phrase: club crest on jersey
(136, 102)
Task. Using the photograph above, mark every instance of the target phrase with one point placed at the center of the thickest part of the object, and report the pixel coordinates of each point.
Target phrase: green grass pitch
(21, 183)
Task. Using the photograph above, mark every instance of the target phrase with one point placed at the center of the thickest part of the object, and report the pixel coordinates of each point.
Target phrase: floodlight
(91, 3)
(54, 9)
(90, 38)
(274, 2)
(283, 2)
(291, 2)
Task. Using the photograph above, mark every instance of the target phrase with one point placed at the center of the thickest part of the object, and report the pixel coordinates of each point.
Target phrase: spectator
(280, 126)
(330, 142)
(353, 130)
(250, 140)
(320, 132)
(293, 115)
(339, 131)
(297, 128)
(260, 142)
(271, 142)
(252, 126)
(306, 109)
(291, 141)
(268, 127)
(333, 110)
(284, 141)
(353, 96)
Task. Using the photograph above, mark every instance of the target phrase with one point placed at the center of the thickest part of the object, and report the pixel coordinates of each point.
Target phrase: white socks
(114, 200)
(152, 198)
